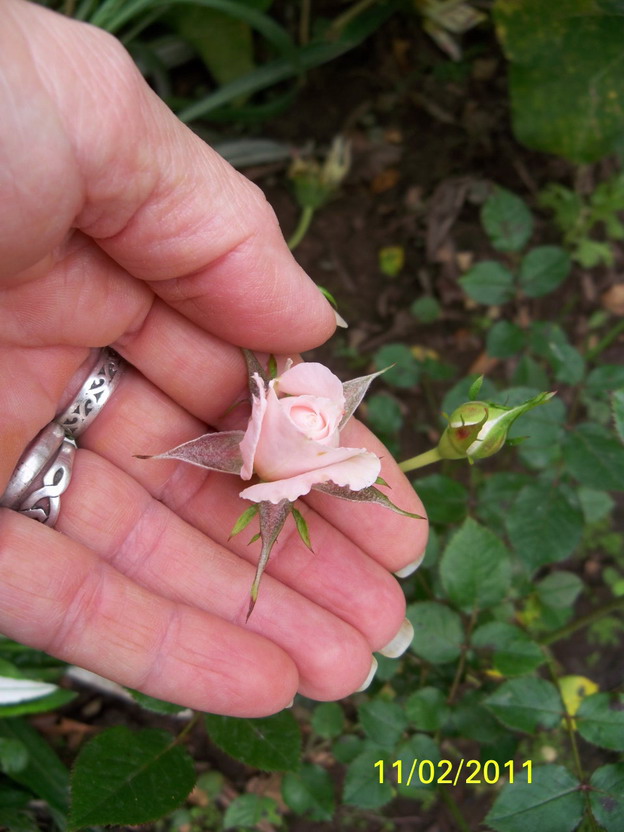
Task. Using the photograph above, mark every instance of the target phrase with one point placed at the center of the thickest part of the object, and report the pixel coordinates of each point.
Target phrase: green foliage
(565, 80)
(137, 763)
(581, 218)
(271, 743)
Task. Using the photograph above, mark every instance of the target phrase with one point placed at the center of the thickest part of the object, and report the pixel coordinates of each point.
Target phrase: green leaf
(438, 632)
(595, 457)
(302, 527)
(472, 720)
(526, 704)
(576, 113)
(426, 309)
(159, 706)
(551, 801)
(405, 371)
(362, 787)
(506, 220)
(504, 339)
(347, 748)
(272, 743)
(475, 569)
(600, 720)
(596, 504)
(248, 810)
(488, 282)
(426, 709)
(45, 775)
(607, 796)
(543, 269)
(543, 427)
(445, 499)
(617, 403)
(528, 373)
(514, 653)
(383, 722)
(568, 363)
(328, 720)
(384, 414)
(496, 496)
(559, 590)
(414, 757)
(118, 778)
(16, 821)
(544, 526)
(603, 380)
(14, 755)
(310, 792)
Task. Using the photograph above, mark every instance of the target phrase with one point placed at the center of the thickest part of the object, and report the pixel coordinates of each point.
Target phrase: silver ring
(44, 470)
(41, 475)
(93, 394)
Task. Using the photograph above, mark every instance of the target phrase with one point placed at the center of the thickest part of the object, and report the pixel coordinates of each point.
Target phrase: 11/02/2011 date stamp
(426, 772)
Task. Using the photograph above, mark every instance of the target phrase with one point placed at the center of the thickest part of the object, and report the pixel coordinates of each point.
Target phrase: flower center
(308, 421)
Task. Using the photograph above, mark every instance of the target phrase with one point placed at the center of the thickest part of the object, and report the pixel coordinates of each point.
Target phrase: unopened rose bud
(314, 183)
(479, 429)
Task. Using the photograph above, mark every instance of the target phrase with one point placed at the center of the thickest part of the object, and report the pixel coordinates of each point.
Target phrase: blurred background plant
(475, 229)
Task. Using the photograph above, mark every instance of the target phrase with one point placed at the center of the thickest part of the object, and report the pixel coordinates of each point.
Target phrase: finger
(147, 542)
(399, 541)
(58, 596)
(339, 575)
(32, 383)
(165, 206)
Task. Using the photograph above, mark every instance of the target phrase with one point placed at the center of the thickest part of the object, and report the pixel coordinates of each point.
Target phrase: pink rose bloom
(292, 441)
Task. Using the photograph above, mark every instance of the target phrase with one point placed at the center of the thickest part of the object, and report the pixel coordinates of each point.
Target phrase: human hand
(119, 226)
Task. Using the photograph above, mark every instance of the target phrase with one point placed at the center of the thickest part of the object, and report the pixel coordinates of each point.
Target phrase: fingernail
(369, 678)
(399, 644)
(340, 321)
(407, 570)
(290, 704)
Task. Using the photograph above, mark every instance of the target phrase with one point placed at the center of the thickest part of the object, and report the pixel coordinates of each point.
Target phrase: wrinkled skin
(119, 226)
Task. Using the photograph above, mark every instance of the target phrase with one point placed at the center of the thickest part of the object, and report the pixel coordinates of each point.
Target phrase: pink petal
(252, 434)
(310, 379)
(283, 451)
(357, 471)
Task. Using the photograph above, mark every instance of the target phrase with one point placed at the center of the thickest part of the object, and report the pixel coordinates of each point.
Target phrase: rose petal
(318, 418)
(249, 442)
(358, 471)
(310, 379)
(283, 451)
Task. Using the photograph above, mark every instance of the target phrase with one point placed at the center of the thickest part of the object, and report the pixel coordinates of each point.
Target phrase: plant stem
(197, 715)
(451, 805)
(606, 341)
(420, 460)
(344, 19)
(302, 226)
(462, 659)
(563, 632)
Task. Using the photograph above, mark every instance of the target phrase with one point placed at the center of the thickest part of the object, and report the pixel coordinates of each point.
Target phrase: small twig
(585, 621)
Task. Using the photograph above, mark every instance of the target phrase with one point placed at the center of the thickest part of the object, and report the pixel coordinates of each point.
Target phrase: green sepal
(272, 519)
(254, 538)
(381, 481)
(328, 295)
(244, 520)
(272, 366)
(254, 366)
(302, 527)
(475, 387)
(364, 495)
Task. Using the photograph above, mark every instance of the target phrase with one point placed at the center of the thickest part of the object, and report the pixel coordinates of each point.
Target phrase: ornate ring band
(44, 470)
(41, 475)
(93, 394)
